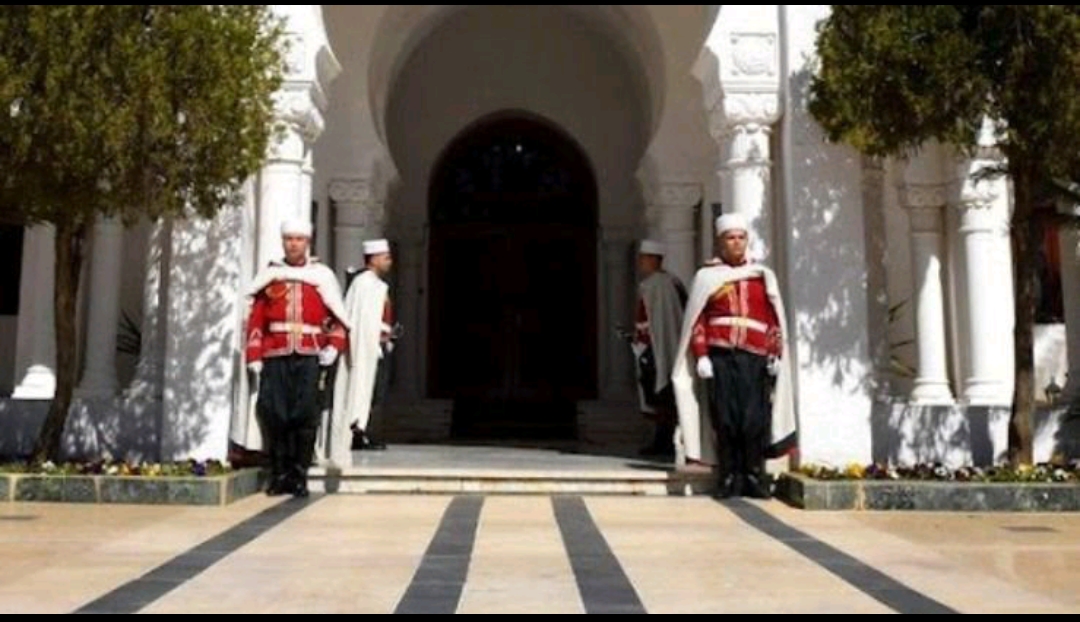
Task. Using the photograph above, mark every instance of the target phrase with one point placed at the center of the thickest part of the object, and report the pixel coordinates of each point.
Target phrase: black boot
(279, 472)
(362, 442)
(730, 483)
(279, 485)
(758, 483)
(299, 487)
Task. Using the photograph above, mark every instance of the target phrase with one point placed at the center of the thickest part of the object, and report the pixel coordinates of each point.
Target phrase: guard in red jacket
(296, 327)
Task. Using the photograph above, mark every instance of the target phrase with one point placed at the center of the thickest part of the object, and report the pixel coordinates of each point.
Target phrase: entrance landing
(462, 468)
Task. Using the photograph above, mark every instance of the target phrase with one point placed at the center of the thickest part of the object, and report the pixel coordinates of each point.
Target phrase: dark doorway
(512, 315)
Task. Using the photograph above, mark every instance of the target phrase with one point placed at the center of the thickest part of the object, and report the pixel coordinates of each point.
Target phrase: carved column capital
(297, 108)
(358, 201)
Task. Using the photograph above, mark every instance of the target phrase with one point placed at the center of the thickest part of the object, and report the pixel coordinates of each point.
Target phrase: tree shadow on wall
(829, 270)
(837, 276)
(206, 311)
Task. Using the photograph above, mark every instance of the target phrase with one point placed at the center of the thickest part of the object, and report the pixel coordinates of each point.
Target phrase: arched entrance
(512, 316)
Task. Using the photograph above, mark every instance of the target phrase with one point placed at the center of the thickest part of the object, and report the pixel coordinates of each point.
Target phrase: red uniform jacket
(738, 315)
(387, 332)
(641, 324)
(290, 317)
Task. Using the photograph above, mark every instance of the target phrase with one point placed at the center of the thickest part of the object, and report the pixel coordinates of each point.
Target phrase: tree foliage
(133, 110)
(891, 78)
(129, 111)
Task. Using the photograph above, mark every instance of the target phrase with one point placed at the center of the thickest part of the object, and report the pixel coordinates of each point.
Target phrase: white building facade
(513, 156)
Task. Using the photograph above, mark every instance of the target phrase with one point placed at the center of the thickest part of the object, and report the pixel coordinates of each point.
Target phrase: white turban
(651, 247)
(374, 247)
(296, 226)
(733, 220)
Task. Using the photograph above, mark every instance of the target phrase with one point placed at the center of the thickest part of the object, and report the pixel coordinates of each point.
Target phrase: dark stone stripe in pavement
(136, 594)
(436, 587)
(871, 582)
(603, 585)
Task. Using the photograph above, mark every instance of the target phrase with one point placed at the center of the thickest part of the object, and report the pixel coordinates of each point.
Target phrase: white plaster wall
(202, 360)
(826, 290)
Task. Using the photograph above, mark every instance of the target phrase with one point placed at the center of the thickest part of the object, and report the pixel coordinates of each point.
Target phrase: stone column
(147, 383)
(670, 215)
(740, 74)
(99, 372)
(35, 344)
(279, 193)
(617, 291)
(358, 205)
(307, 176)
(988, 291)
(409, 370)
(925, 204)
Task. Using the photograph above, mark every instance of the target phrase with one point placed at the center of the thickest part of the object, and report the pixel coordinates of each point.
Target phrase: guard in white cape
(361, 375)
(658, 318)
(734, 364)
(296, 329)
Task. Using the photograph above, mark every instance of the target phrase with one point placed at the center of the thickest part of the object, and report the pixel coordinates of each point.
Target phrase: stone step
(497, 469)
(501, 481)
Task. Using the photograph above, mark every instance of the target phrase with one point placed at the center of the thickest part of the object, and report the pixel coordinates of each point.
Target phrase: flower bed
(1042, 487)
(190, 482)
(1045, 473)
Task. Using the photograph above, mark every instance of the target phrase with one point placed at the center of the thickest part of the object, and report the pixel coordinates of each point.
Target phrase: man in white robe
(658, 317)
(368, 307)
(734, 338)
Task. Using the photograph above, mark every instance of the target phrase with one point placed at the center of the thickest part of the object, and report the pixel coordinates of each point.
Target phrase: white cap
(733, 220)
(374, 247)
(651, 247)
(296, 226)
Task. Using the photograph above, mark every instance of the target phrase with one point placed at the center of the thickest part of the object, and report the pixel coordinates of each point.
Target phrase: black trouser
(662, 402)
(741, 411)
(376, 425)
(288, 406)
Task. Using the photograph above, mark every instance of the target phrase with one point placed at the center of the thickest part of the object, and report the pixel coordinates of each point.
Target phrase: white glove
(327, 356)
(704, 367)
(774, 365)
(255, 367)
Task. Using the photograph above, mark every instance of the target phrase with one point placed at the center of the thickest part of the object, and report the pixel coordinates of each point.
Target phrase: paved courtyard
(421, 553)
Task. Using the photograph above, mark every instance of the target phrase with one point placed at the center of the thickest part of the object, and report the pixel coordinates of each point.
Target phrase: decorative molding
(358, 201)
(916, 196)
(679, 194)
(352, 190)
(970, 193)
(297, 108)
(753, 54)
(744, 113)
(671, 194)
(761, 107)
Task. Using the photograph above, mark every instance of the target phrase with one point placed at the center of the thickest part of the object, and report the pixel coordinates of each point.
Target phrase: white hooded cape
(694, 438)
(355, 381)
(664, 310)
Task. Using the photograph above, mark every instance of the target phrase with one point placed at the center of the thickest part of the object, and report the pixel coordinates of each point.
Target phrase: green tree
(890, 78)
(133, 111)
